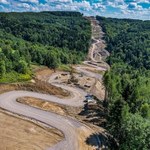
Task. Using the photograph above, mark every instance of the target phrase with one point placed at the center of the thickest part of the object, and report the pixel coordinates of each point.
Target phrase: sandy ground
(19, 134)
(43, 73)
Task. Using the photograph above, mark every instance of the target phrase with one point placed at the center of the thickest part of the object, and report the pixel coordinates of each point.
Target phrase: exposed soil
(98, 90)
(44, 105)
(95, 71)
(37, 86)
(97, 51)
(19, 134)
(89, 84)
(43, 73)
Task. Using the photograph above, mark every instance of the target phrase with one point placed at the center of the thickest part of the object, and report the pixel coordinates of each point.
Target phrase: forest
(43, 38)
(128, 81)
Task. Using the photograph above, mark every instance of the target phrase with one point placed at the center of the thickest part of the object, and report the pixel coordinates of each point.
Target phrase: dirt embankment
(37, 86)
(44, 105)
(43, 73)
(16, 133)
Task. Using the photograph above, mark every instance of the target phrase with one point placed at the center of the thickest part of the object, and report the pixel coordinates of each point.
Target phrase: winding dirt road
(65, 124)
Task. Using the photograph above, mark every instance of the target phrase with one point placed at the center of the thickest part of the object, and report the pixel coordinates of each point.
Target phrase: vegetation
(45, 38)
(128, 81)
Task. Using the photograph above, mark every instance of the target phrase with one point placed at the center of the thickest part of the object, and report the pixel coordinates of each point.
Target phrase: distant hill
(46, 38)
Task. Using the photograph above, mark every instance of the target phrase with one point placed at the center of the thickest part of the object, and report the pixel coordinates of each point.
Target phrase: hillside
(128, 81)
(45, 38)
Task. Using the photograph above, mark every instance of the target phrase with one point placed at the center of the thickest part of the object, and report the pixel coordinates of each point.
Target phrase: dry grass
(19, 134)
(44, 105)
(84, 133)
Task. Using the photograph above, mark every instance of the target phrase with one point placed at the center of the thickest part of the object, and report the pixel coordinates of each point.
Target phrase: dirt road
(66, 125)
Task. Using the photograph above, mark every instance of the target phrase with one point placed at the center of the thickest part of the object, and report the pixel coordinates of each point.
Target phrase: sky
(136, 9)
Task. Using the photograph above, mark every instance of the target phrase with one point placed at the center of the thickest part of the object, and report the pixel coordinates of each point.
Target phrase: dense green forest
(128, 81)
(45, 38)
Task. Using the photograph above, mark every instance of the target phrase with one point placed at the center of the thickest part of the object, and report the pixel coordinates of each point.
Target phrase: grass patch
(15, 77)
(63, 67)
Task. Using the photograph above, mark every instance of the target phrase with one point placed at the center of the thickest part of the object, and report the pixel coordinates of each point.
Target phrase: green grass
(63, 67)
(15, 77)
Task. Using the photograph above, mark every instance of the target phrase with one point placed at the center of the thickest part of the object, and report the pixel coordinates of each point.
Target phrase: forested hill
(128, 81)
(46, 38)
(59, 29)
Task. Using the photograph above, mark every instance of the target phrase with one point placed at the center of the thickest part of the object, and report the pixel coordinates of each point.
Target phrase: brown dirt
(84, 134)
(38, 86)
(50, 106)
(19, 134)
(98, 90)
(7, 87)
(89, 84)
(44, 105)
(43, 73)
